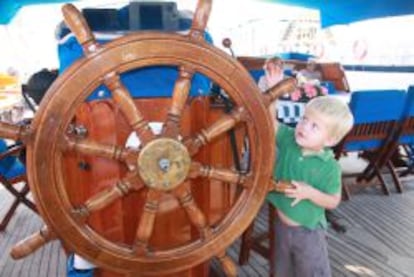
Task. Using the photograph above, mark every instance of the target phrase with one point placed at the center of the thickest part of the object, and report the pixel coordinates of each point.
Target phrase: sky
(29, 43)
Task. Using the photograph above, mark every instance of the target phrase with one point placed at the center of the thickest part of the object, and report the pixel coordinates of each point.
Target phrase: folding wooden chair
(257, 243)
(403, 137)
(376, 115)
(13, 172)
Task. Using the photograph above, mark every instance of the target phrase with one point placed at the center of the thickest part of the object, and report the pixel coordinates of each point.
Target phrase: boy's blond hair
(340, 118)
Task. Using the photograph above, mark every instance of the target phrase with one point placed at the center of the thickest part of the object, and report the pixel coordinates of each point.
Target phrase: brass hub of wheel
(163, 164)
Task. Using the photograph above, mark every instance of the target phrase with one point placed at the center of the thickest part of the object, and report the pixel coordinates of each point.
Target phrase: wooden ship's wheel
(164, 170)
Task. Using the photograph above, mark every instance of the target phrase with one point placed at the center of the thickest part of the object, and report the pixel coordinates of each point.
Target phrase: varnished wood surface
(379, 240)
(331, 71)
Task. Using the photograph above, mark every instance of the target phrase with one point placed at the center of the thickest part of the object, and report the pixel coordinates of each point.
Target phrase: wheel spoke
(219, 127)
(180, 95)
(200, 20)
(285, 86)
(15, 132)
(107, 196)
(220, 174)
(229, 267)
(146, 223)
(196, 216)
(78, 25)
(114, 152)
(134, 117)
(30, 244)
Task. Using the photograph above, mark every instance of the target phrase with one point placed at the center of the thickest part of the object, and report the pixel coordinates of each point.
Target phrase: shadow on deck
(379, 240)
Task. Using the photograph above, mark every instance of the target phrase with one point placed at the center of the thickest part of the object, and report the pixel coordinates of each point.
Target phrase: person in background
(273, 69)
(308, 182)
(39, 83)
(310, 73)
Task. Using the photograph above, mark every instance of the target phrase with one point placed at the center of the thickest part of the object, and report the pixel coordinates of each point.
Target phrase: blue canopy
(332, 11)
(9, 8)
(335, 12)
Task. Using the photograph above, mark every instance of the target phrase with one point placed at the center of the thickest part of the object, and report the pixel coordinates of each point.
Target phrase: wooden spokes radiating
(220, 174)
(78, 25)
(85, 37)
(49, 141)
(108, 196)
(93, 148)
(196, 216)
(32, 243)
(146, 223)
(180, 94)
(15, 132)
(218, 128)
(133, 115)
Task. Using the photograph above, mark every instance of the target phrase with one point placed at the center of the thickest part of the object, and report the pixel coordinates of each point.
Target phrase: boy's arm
(303, 191)
(272, 112)
(277, 89)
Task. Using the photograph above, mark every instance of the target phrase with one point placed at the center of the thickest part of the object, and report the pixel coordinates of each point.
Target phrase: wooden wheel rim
(73, 87)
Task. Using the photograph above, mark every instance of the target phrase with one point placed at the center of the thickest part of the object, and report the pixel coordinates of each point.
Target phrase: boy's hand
(300, 191)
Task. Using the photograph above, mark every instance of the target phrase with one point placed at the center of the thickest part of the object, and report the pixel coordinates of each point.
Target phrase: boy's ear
(331, 141)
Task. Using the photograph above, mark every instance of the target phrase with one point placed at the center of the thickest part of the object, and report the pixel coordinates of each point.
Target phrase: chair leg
(9, 215)
(272, 240)
(396, 180)
(246, 244)
(384, 187)
(25, 190)
(13, 207)
(346, 194)
(20, 198)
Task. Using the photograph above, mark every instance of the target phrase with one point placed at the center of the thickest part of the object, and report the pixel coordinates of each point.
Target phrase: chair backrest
(407, 121)
(10, 165)
(376, 114)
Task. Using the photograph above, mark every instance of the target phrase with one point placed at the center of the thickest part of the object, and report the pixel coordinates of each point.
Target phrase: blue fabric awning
(9, 8)
(332, 12)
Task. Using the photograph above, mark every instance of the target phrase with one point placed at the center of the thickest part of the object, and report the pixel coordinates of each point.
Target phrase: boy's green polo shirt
(320, 171)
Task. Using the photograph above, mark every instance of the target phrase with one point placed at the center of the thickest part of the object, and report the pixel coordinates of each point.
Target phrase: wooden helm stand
(170, 204)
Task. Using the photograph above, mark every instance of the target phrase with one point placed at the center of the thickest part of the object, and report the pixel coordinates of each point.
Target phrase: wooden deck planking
(378, 241)
(48, 261)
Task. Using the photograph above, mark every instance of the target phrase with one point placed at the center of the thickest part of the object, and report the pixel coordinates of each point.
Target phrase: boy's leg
(283, 258)
(311, 253)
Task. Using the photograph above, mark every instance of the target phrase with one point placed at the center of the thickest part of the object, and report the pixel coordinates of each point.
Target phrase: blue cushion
(16, 169)
(408, 113)
(7, 162)
(377, 105)
(352, 146)
(409, 105)
(374, 106)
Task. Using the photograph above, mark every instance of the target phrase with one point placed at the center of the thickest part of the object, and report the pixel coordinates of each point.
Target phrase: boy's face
(312, 132)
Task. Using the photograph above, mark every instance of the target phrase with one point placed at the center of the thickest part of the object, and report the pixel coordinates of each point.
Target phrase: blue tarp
(155, 81)
(9, 8)
(333, 12)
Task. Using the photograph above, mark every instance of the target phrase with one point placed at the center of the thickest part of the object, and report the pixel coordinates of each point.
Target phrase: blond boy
(304, 159)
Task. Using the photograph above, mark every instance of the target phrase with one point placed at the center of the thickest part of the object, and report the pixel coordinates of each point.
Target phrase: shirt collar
(324, 154)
